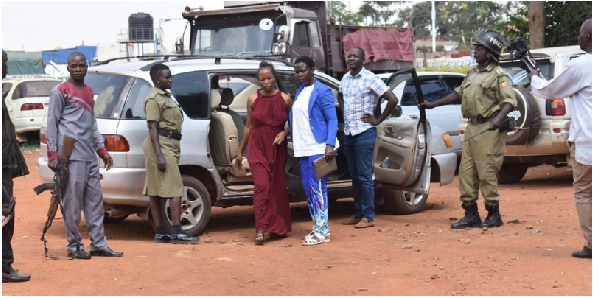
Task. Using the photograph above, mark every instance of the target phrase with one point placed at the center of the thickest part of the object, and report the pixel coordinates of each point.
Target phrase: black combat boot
(471, 218)
(493, 218)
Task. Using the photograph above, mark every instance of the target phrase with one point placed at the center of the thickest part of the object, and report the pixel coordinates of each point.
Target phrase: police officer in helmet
(486, 96)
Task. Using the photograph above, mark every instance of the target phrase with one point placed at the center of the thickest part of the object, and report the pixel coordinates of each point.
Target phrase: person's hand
(279, 138)
(238, 160)
(108, 162)
(426, 105)
(495, 123)
(329, 153)
(369, 118)
(534, 72)
(53, 165)
(161, 163)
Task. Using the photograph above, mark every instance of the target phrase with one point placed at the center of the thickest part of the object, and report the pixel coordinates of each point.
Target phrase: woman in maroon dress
(265, 136)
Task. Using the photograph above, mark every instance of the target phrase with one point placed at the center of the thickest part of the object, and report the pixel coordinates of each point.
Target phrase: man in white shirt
(576, 82)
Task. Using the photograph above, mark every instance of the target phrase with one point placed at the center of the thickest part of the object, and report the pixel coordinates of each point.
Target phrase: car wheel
(511, 173)
(530, 118)
(195, 207)
(403, 202)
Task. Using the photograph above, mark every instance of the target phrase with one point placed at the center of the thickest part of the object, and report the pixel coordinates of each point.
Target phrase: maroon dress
(267, 164)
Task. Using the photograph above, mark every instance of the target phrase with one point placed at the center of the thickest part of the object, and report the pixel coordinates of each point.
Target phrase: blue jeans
(359, 153)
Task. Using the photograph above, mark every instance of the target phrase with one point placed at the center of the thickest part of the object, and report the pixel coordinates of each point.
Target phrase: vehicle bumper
(113, 189)
(25, 124)
(447, 164)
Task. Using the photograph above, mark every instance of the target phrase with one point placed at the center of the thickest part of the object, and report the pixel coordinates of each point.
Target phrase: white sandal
(312, 239)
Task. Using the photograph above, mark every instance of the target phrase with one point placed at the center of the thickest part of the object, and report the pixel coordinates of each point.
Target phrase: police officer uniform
(483, 93)
(160, 107)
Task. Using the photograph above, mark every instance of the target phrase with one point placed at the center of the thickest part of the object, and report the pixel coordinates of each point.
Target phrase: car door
(401, 154)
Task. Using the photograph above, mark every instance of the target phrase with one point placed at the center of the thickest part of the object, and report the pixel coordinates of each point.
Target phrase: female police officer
(487, 96)
(161, 151)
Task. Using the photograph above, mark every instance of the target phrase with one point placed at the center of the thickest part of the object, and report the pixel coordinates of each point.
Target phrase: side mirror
(283, 34)
(179, 46)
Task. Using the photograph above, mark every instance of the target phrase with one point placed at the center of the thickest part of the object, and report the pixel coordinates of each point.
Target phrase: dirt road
(402, 255)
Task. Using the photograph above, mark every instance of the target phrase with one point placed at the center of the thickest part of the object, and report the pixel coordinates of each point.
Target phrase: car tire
(530, 118)
(404, 203)
(195, 207)
(511, 173)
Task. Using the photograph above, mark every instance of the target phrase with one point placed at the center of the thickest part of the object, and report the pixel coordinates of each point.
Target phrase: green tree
(343, 15)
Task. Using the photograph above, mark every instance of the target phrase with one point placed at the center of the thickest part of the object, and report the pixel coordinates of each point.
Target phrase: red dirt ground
(401, 255)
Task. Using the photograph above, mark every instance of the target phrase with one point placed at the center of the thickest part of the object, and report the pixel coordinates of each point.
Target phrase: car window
(433, 90)
(301, 35)
(109, 93)
(6, 87)
(191, 92)
(289, 83)
(16, 93)
(453, 82)
(314, 34)
(134, 107)
(30, 89)
(514, 67)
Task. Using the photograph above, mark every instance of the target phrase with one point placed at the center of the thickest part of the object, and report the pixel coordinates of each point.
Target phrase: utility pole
(433, 30)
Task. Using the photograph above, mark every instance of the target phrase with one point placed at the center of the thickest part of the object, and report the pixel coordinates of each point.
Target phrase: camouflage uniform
(483, 94)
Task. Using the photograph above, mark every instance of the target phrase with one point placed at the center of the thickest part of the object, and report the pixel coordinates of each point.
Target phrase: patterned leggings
(316, 195)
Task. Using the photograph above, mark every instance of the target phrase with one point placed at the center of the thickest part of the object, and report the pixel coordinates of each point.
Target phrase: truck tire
(195, 207)
(530, 118)
(511, 173)
(404, 203)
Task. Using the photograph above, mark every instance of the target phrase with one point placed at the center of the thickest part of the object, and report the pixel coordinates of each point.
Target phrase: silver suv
(408, 155)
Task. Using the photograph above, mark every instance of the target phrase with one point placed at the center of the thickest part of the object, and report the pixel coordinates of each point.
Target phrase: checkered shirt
(360, 96)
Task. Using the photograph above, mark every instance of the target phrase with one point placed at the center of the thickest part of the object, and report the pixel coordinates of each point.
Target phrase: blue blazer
(321, 112)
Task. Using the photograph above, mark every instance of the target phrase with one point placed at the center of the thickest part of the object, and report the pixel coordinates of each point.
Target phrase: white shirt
(304, 140)
(574, 82)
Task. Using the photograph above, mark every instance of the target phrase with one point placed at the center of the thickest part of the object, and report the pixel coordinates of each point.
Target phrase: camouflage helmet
(491, 40)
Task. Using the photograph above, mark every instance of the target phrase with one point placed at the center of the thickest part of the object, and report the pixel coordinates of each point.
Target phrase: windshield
(234, 39)
(30, 89)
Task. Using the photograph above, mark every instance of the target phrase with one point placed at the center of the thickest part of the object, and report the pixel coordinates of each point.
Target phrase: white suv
(546, 121)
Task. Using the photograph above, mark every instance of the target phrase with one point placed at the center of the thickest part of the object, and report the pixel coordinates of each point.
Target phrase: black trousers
(9, 229)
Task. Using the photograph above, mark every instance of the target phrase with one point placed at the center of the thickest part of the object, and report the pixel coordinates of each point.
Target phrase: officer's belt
(170, 134)
(481, 120)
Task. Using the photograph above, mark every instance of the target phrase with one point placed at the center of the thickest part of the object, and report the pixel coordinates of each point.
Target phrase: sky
(45, 25)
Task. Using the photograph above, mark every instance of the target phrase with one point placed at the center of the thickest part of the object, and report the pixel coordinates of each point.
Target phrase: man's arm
(452, 98)
(564, 85)
(392, 102)
(57, 104)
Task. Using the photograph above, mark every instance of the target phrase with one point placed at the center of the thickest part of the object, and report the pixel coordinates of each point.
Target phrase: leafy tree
(344, 16)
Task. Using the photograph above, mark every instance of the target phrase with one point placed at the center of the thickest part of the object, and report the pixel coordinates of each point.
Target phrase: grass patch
(30, 146)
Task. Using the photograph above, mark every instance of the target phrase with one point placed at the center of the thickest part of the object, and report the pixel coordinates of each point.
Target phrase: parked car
(27, 101)
(409, 154)
(545, 122)
(435, 86)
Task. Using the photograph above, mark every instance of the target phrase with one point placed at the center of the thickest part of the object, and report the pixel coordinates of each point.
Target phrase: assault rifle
(60, 177)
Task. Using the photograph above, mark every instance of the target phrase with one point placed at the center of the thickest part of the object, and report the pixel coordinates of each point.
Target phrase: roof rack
(175, 57)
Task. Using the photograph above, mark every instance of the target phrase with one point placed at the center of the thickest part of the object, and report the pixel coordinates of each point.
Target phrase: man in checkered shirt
(360, 90)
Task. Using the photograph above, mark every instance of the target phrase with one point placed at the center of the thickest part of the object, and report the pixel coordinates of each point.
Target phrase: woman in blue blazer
(313, 126)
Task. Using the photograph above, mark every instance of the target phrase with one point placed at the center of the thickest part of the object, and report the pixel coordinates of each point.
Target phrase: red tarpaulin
(381, 44)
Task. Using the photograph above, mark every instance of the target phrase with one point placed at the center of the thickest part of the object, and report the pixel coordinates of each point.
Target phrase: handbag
(323, 167)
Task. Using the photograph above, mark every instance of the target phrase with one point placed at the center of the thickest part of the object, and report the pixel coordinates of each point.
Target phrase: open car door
(401, 154)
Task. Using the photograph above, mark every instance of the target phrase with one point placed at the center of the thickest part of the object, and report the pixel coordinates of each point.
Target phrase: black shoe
(583, 253)
(107, 252)
(183, 238)
(162, 238)
(493, 218)
(81, 254)
(14, 276)
(471, 218)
